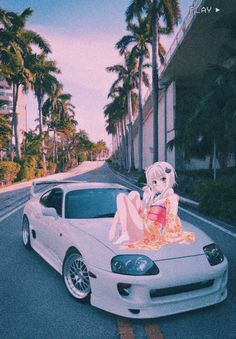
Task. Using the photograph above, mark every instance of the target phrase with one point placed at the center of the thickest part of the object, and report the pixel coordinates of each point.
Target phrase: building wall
(148, 128)
(7, 95)
(21, 110)
(148, 133)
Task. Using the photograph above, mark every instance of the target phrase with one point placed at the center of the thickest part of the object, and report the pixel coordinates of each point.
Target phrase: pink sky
(83, 62)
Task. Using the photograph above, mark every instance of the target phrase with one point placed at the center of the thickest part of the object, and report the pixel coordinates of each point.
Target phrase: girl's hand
(147, 193)
(147, 190)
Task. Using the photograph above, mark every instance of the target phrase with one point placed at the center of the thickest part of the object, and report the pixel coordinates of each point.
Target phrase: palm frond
(123, 43)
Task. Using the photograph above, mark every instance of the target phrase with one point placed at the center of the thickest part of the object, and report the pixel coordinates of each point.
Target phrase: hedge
(218, 200)
(8, 171)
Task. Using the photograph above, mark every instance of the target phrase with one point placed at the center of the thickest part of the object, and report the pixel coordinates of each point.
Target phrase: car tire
(76, 277)
(26, 232)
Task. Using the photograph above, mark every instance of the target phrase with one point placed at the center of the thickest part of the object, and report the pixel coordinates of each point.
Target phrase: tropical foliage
(55, 144)
(146, 21)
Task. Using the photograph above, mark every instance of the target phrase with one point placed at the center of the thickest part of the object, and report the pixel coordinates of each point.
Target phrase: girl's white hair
(159, 169)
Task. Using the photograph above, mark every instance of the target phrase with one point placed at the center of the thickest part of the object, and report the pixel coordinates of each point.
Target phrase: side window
(53, 199)
(45, 198)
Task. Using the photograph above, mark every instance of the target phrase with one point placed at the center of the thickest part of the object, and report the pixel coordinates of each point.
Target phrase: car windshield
(92, 203)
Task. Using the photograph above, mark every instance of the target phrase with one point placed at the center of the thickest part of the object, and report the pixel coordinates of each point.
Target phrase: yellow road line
(153, 330)
(125, 329)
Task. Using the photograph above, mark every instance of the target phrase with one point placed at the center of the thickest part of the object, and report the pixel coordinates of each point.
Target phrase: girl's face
(159, 184)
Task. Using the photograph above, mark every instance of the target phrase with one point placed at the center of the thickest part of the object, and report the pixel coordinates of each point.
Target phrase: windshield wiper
(108, 215)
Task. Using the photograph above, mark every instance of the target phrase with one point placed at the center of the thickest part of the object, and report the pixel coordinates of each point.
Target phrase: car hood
(99, 229)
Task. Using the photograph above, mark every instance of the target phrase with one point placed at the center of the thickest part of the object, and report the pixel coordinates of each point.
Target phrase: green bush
(82, 157)
(228, 211)
(51, 167)
(8, 171)
(28, 166)
(40, 172)
(71, 164)
(218, 200)
(27, 173)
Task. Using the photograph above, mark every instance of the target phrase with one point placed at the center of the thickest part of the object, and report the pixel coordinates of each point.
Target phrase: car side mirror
(49, 212)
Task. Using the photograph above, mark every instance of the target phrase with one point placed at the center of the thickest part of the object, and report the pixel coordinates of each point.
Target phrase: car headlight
(214, 254)
(133, 265)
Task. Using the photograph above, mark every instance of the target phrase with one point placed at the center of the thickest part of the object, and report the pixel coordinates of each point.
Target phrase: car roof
(89, 185)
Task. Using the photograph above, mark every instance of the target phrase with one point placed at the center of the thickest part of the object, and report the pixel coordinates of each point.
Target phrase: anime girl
(152, 222)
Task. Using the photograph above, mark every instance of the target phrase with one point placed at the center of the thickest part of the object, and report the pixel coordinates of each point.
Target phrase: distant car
(68, 226)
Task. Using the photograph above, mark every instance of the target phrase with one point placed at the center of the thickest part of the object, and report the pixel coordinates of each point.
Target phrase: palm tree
(169, 12)
(44, 79)
(5, 130)
(115, 112)
(16, 45)
(57, 109)
(31, 143)
(139, 39)
(128, 77)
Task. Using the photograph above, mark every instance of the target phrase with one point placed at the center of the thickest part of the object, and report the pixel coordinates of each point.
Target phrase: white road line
(186, 211)
(12, 212)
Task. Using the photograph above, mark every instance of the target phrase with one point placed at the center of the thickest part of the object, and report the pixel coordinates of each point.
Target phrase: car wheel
(76, 277)
(26, 232)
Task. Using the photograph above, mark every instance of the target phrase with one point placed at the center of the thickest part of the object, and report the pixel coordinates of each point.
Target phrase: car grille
(180, 289)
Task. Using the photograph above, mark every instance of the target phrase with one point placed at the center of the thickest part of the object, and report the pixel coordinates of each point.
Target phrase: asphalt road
(35, 304)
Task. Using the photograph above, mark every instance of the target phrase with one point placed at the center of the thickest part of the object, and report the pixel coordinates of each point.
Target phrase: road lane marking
(153, 330)
(125, 329)
(11, 212)
(221, 228)
(209, 222)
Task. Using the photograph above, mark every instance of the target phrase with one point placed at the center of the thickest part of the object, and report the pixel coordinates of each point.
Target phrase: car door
(37, 219)
(50, 227)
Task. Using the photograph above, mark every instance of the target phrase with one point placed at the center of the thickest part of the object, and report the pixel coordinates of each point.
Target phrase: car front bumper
(183, 284)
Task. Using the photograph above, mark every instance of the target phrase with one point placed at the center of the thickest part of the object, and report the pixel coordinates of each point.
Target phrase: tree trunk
(54, 146)
(155, 81)
(120, 145)
(39, 99)
(15, 120)
(140, 117)
(214, 160)
(11, 141)
(117, 146)
(130, 128)
(67, 148)
(210, 161)
(126, 145)
(122, 142)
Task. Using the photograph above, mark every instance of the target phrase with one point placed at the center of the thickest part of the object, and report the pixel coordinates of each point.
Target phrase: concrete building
(7, 96)
(195, 46)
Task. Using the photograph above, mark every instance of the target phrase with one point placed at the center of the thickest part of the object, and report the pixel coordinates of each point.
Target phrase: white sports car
(68, 226)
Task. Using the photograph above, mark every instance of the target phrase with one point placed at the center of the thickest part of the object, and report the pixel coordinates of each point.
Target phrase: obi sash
(157, 213)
